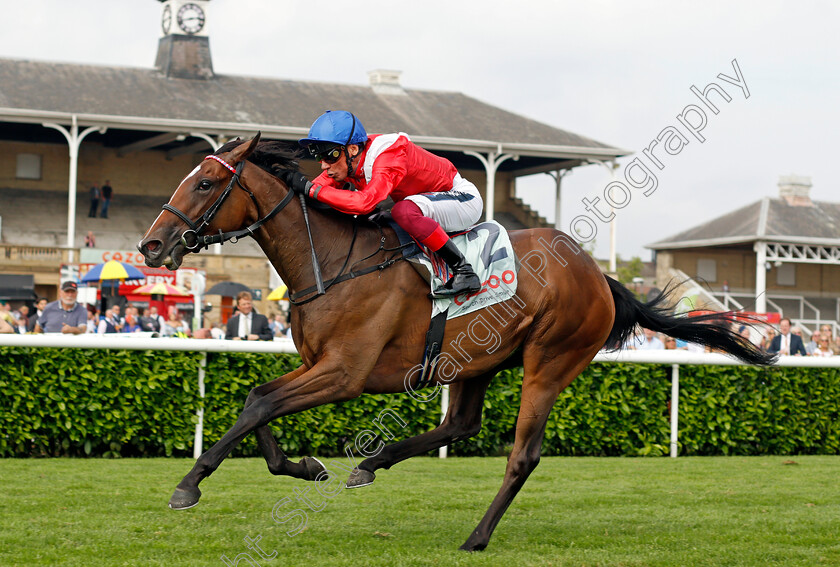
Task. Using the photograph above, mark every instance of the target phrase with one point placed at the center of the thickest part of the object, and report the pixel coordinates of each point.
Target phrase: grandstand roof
(146, 99)
(769, 219)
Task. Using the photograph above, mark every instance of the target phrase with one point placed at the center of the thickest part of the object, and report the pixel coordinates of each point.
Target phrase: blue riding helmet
(336, 127)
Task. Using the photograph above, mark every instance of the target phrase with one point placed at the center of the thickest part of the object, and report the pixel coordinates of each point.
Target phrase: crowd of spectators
(786, 340)
(68, 316)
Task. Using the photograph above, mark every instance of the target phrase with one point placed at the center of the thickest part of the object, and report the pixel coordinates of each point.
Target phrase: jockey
(430, 195)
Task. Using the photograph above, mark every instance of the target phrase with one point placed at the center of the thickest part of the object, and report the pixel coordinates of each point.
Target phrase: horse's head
(207, 201)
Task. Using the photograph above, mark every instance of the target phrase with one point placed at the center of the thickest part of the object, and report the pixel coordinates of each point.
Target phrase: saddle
(486, 246)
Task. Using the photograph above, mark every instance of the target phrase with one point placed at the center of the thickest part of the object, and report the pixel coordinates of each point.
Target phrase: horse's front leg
(326, 382)
(308, 468)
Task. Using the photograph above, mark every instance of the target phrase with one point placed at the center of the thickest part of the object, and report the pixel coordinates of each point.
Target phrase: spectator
(827, 331)
(174, 325)
(118, 320)
(22, 320)
(247, 324)
(107, 323)
(92, 318)
(744, 331)
(94, 201)
(786, 342)
(5, 314)
(107, 191)
(825, 348)
(216, 331)
(131, 325)
(148, 323)
(65, 315)
(39, 309)
(651, 341)
(5, 327)
(814, 343)
(767, 339)
(153, 313)
(278, 325)
(670, 343)
(90, 240)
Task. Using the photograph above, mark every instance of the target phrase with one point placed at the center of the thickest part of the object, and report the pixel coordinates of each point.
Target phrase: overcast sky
(617, 72)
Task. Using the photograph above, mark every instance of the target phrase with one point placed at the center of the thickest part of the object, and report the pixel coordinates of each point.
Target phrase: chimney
(795, 190)
(385, 82)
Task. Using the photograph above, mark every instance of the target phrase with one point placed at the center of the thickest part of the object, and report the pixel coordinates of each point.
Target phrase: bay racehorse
(365, 334)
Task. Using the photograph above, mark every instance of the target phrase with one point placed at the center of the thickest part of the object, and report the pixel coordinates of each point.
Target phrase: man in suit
(786, 342)
(247, 325)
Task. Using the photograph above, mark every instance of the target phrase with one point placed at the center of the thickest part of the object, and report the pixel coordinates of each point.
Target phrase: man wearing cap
(65, 315)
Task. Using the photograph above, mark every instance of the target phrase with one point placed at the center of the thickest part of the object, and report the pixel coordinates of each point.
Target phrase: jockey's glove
(296, 181)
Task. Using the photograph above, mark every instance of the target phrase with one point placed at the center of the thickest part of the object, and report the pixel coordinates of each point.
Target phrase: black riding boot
(463, 278)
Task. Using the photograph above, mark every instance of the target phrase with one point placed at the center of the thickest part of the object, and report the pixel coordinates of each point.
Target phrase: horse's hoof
(183, 499)
(471, 547)
(359, 478)
(313, 467)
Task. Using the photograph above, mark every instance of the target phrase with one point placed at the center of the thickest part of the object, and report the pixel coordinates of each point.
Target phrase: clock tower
(184, 47)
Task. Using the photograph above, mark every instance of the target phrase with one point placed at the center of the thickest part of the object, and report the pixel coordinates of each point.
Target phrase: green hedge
(74, 402)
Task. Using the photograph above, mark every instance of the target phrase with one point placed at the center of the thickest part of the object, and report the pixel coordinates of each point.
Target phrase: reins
(342, 277)
(193, 240)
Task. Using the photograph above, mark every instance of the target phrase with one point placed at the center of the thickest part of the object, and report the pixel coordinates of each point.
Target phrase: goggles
(329, 154)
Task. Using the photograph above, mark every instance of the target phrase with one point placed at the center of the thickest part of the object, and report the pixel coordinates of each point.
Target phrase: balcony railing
(34, 254)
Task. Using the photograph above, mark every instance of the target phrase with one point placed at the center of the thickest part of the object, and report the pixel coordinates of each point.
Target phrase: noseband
(192, 238)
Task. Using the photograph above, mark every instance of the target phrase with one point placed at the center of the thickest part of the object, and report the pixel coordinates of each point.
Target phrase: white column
(74, 140)
(675, 400)
(198, 444)
(612, 166)
(558, 180)
(760, 277)
(444, 407)
(491, 164)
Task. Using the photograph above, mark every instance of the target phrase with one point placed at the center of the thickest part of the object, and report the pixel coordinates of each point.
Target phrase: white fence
(286, 346)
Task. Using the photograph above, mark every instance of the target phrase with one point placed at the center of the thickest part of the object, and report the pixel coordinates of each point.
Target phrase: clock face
(166, 20)
(191, 18)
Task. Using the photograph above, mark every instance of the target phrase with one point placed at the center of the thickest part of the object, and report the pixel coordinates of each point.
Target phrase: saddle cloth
(486, 246)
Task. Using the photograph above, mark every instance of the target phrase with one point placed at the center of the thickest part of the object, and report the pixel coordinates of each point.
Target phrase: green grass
(573, 511)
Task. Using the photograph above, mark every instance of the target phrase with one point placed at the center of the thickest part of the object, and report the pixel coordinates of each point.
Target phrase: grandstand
(39, 218)
(776, 255)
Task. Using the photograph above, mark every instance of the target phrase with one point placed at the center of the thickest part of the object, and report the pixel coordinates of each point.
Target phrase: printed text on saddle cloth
(487, 247)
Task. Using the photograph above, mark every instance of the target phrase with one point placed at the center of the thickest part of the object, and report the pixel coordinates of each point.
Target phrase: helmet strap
(350, 168)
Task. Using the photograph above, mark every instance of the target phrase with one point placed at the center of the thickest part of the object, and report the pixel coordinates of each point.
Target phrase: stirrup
(444, 291)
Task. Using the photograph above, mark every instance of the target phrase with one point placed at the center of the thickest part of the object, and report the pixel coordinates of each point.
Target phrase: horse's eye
(204, 185)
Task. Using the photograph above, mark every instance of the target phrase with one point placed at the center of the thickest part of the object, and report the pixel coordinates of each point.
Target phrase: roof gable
(781, 221)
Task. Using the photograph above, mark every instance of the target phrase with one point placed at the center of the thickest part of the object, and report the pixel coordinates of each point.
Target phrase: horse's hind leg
(540, 388)
(463, 420)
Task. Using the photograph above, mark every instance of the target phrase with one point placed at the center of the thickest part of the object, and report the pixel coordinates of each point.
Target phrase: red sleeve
(388, 171)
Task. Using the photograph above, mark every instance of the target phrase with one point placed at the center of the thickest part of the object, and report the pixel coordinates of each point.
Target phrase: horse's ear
(242, 151)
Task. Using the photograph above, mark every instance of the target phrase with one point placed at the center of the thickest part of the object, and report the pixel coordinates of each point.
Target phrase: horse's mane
(274, 156)
(271, 155)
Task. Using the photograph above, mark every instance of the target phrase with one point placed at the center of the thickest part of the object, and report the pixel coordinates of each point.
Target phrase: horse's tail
(713, 330)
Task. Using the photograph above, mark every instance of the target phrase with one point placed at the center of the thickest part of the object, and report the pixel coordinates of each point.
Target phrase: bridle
(192, 238)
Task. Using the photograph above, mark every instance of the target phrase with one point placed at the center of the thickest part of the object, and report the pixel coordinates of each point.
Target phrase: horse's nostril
(152, 245)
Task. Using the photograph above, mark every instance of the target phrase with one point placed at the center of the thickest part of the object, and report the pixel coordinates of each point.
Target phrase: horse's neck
(285, 241)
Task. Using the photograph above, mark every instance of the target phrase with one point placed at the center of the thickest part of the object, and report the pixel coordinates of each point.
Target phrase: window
(707, 269)
(786, 274)
(28, 166)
